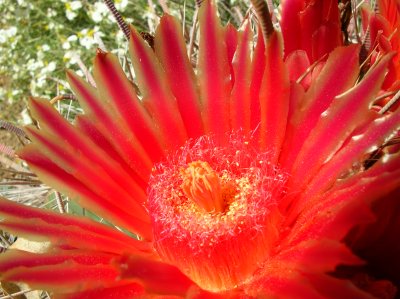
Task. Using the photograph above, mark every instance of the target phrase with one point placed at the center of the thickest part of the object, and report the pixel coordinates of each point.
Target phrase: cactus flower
(248, 175)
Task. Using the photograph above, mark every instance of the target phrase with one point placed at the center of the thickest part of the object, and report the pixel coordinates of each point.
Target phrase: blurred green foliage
(40, 38)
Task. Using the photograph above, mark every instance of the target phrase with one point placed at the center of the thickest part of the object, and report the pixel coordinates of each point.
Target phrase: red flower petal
(332, 288)
(68, 144)
(124, 290)
(295, 273)
(66, 229)
(337, 76)
(119, 94)
(231, 39)
(63, 181)
(240, 96)
(282, 282)
(375, 135)
(16, 258)
(87, 125)
(297, 64)
(66, 277)
(108, 123)
(291, 23)
(320, 256)
(257, 73)
(325, 39)
(156, 277)
(214, 72)
(90, 174)
(274, 98)
(309, 20)
(346, 113)
(157, 96)
(171, 50)
(77, 265)
(335, 213)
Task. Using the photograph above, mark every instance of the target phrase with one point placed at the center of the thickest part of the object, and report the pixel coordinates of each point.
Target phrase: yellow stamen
(202, 185)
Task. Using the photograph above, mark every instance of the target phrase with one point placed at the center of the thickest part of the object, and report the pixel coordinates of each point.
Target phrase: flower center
(214, 211)
(202, 185)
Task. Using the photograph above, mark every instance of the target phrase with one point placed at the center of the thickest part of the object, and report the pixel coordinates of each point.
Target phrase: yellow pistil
(202, 185)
